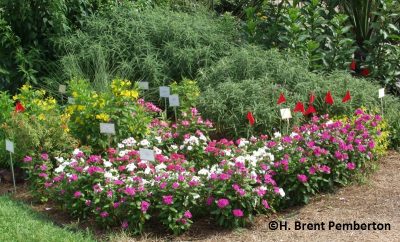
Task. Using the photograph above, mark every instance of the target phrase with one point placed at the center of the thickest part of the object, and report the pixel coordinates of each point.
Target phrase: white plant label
(62, 89)
(146, 154)
(381, 92)
(174, 100)
(107, 128)
(9, 146)
(144, 85)
(285, 113)
(164, 91)
(71, 100)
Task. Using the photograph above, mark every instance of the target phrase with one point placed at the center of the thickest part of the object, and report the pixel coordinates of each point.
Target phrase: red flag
(365, 72)
(299, 107)
(251, 119)
(329, 98)
(312, 98)
(353, 65)
(19, 108)
(281, 99)
(310, 110)
(347, 97)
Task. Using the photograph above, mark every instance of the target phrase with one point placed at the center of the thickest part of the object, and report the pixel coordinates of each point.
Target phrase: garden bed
(374, 200)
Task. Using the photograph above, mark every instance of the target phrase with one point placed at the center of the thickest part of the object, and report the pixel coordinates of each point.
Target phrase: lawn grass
(20, 223)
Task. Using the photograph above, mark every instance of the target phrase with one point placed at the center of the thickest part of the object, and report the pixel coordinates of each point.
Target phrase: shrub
(39, 128)
(153, 45)
(253, 80)
(188, 92)
(118, 105)
(193, 175)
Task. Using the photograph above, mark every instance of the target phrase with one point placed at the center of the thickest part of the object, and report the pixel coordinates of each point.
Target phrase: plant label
(174, 100)
(144, 85)
(107, 128)
(9, 146)
(381, 92)
(285, 113)
(71, 100)
(146, 154)
(164, 91)
(62, 89)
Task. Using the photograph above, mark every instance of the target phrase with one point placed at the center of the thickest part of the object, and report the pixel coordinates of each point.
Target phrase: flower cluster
(192, 175)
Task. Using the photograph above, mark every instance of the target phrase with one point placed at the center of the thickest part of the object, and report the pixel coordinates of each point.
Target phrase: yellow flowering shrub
(117, 105)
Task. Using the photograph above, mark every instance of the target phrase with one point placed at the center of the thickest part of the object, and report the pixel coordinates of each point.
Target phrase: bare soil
(377, 200)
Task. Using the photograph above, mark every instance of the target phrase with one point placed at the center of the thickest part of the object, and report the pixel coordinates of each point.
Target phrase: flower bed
(193, 175)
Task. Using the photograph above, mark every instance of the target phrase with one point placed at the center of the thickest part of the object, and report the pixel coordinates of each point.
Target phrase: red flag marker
(347, 97)
(251, 119)
(299, 107)
(310, 110)
(312, 98)
(365, 72)
(353, 65)
(329, 98)
(281, 99)
(19, 108)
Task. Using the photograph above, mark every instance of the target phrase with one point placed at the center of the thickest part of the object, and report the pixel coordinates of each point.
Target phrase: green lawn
(20, 223)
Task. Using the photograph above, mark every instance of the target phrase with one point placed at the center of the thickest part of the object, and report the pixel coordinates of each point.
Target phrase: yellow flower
(41, 117)
(103, 117)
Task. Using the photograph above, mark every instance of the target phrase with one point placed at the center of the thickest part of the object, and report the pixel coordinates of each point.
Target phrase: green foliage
(40, 128)
(188, 92)
(309, 30)
(254, 78)
(153, 45)
(117, 105)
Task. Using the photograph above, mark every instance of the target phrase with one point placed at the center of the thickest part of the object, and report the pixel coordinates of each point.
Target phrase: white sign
(71, 100)
(164, 91)
(9, 146)
(381, 92)
(174, 100)
(62, 89)
(144, 85)
(285, 113)
(146, 154)
(107, 128)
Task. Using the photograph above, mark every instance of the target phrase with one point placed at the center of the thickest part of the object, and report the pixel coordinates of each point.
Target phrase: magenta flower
(124, 224)
(44, 156)
(175, 185)
(27, 159)
(187, 214)
(77, 194)
(265, 204)
(104, 214)
(144, 206)
(302, 178)
(223, 202)
(237, 213)
(209, 201)
(351, 166)
(130, 191)
(88, 203)
(168, 200)
(43, 174)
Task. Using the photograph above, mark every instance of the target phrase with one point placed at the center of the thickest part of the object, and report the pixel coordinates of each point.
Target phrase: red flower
(251, 119)
(329, 98)
(19, 108)
(310, 110)
(299, 107)
(364, 72)
(312, 98)
(281, 99)
(353, 65)
(347, 97)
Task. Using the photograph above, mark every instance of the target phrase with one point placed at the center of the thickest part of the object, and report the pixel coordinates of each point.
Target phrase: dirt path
(376, 201)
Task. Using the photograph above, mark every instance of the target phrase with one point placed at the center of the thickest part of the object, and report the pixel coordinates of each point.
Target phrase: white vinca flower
(145, 143)
(243, 143)
(174, 147)
(121, 146)
(76, 151)
(203, 172)
(59, 169)
(131, 167)
(161, 166)
(107, 164)
(281, 192)
(277, 135)
(189, 147)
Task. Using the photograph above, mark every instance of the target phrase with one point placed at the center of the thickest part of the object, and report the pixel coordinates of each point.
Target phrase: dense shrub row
(193, 176)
